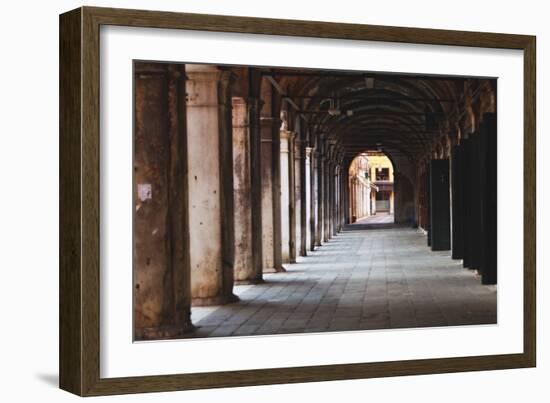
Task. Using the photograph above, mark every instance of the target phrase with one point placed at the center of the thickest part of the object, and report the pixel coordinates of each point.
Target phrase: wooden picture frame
(79, 201)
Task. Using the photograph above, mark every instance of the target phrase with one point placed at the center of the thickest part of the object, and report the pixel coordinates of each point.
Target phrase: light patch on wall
(145, 191)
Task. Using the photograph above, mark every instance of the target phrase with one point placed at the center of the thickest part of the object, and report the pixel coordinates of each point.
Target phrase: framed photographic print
(250, 201)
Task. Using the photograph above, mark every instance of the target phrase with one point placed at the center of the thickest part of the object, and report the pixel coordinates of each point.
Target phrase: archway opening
(371, 189)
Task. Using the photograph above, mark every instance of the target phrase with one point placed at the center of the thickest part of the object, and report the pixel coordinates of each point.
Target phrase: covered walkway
(361, 279)
(247, 180)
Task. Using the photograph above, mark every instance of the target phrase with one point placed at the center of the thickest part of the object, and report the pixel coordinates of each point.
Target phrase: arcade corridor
(282, 200)
(361, 279)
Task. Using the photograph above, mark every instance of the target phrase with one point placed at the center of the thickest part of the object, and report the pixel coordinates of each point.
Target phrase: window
(382, 174)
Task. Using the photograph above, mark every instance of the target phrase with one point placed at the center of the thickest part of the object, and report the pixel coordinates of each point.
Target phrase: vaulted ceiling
(398, 114)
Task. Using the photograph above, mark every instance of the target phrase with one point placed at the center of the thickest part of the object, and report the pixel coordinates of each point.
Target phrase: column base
(275, 270)
(249, 282)
(218, 300)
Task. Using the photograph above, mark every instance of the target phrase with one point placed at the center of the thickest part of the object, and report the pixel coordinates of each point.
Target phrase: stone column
(354, 199)
(292, 195)
(338, 202)
(285, 199)
(266, 123)
(373, 204)
(276, 172)
(348, 200)
(320, 198)
(326, 199)
(313, 198)
(340, 198)
(271, 192)
(334, 201)
(308, 203)
(210, 158)
(365, 201)
(299, 171)
(342, 202)
(254, 107)
(162, 289)
(330, 199)
(244, 269)
(368, 203)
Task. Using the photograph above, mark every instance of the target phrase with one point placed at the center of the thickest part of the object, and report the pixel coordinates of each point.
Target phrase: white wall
(29, 202)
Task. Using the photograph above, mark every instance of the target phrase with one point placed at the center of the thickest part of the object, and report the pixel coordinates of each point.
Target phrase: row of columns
(229, 185)
(360, 194)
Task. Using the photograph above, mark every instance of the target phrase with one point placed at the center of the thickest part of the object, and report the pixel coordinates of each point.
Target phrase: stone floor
(378, 218)
(367, 277)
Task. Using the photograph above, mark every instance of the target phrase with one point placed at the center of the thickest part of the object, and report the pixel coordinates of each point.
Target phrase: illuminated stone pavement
(366, 277)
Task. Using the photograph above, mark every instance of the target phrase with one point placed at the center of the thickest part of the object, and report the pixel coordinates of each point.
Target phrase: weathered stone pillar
(210, 159)
(348, 200)
(337, 200)
(358, 199)
(285, 193)
(353, 196)
(334, 201)
(267, 194)
(276, 172)
(320, 197)
(330, 199)
(326, 190)
(345, 190)
(254, 107)
(299, 170)
(271, 194)
(368, 203)
(270, 121)
(162, 288)
(361, 200)
(244, 269)
(292, 195)
(373, 204)
(307, 204)
(342, 201)
(314, 200)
